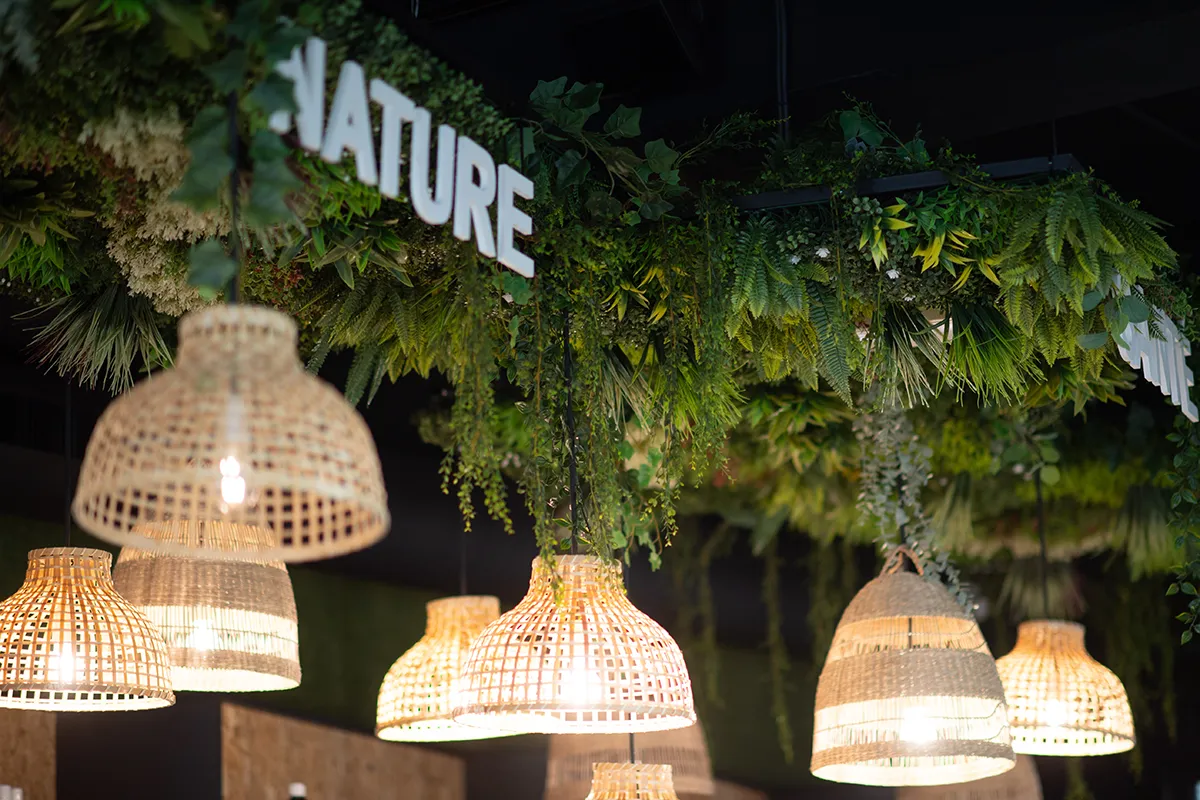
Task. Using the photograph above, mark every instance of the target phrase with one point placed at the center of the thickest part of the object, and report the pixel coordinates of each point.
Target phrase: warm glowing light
(1056, 714)
(918, 727)
(578, 686)
(62, 667)
(233, 485)
(203, 636)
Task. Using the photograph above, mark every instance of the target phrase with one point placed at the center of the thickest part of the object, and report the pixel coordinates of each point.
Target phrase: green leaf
(1092, 299)
(659, 156)
(517, 287)
(602, 205)
(283, 41)
(654, 209)
(1185, 637)
(625, 123)
(584, 97)
(1050, 475)
(631, 217)
(572, 169)
(229, 73)
(185, 27)
(1187, 588)
(210, 268)
(247, 23)
(274, 93)
(1135, 308)
(1172, 589)
(547, 92)
(766, 529)
(345, 272)
(851, 122)
(1092, 341)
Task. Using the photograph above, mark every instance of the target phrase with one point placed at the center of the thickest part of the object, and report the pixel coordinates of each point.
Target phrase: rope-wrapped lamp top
(632, 782)
(1061, 701)
(575, 656)
(684, 750)
(230, 626)
(909, 693)
(1019, 783)
(69, 642)
(416, 696)
(236, 433)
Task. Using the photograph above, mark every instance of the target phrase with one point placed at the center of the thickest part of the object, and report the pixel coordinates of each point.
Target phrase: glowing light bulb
(62, 667)
(579, 686)
(233, 485)
(918, 727)
(1056, 714)
(203, 636)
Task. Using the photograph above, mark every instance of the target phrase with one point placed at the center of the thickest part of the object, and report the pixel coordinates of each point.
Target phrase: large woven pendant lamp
(632, 782)
(569, 766)
(1061, 701)
(909, 694)
(1019, 783)
(230, 626)
(69, 642)
(416, 695)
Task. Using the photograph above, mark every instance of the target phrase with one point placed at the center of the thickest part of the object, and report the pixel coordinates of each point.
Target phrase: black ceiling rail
(912, 182)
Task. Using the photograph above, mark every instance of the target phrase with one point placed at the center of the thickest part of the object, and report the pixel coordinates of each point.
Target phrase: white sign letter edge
(471, 199)
(350, 124)
(308, 76)
(509, 218)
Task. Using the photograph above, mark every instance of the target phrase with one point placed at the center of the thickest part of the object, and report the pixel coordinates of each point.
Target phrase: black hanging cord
(235, 241)
(569, 415)
(462, 562)
(1041, 514)
(67, 464)
(781, 68)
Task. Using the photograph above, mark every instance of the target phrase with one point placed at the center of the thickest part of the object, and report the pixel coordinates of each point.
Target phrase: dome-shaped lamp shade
(415, 698)
(632, 782)
(909, 694)
(569, 766)
(1019, 783)
(236, 433)
(69, 642)
(575, 656)
(230, 626)
(1061, 701)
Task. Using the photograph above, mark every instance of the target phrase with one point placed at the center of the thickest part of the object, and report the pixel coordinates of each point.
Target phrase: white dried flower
(822, 252)
(893, 273)
(795, 259)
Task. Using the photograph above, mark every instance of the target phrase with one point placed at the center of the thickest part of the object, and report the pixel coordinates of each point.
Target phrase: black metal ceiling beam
(912, 182)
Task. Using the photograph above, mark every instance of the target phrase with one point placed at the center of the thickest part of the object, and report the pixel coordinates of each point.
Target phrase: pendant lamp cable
(67, 464)
(462, 562)
(1041, 514)
(632, 742)
(235, 242)
(569, 416)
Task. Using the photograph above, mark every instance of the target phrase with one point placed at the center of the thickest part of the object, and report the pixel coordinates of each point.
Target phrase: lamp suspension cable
(1041, 523)
(235, 242)
(462, 562)
(569, 417)
(67, 464)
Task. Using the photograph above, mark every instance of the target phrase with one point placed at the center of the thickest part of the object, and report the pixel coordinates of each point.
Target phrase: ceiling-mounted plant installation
(237, 433)
(415, 699)
(569, 766)
(1019, 783)
(909, 694)
(69, 642)
(632, 782)
(575, 656)
(1061, 701)
(230, 626)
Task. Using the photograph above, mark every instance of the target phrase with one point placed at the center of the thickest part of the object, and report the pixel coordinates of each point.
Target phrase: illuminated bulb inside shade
(1056, 713)
(203, 636)
(918, 727)
(233, 485)
(579, 686)
(62, 668)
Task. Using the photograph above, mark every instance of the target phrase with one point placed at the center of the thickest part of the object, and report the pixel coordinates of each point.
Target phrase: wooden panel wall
(27, 750)
(261, 753)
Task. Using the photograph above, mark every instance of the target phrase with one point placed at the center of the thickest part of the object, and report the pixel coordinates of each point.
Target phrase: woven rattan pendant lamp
(69, 642)
(1061, 701)
(632, 782)
(569, 766)
(1019, 783)
(237, 432)
(909, 694)
(230, 626)
(416, 696)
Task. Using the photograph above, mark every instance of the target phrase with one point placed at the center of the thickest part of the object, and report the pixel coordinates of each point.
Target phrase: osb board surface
(27, 752)
(262, 753)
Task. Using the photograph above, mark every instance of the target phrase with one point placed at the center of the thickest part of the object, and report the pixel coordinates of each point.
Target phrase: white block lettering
(350, 124)
(432, 208)
(308, 75)
(396, 109)
(509, 218)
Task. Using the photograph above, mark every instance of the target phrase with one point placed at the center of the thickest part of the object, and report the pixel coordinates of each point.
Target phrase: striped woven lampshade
(69, 642)
(909, 694)
(684, 750)
(1061, 701)
(575, 656)
(632, 782)
(230, 626)
(415, 698)
(1019, 783)
(237, 433)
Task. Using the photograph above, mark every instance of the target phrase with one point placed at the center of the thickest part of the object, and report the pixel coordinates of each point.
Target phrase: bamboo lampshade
(572, 757)
(575, 656)
(230, 626)
(415, 698)
(1061, 701)
(632, 782)
(238, 433)
(69, 642)
(1019, 783)
(909, 694)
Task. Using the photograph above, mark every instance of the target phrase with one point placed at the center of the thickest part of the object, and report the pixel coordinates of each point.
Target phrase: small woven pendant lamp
(236, 433)
(575, 656)
(1019, 783)
(909, 694)
(230, 626)
(684, 750)
(69, 642)
(632, 782)
(415, 698)
(1061, 701)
